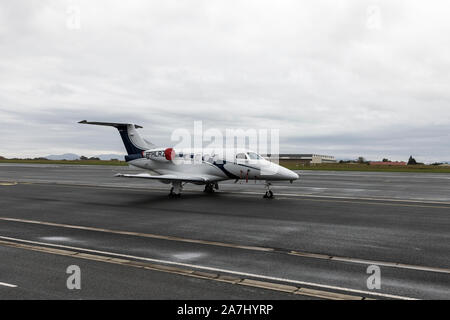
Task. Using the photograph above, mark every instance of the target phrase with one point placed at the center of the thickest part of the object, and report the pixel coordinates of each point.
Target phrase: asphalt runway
(315, 240)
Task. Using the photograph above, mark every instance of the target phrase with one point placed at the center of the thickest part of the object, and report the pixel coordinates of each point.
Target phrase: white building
(305, 158)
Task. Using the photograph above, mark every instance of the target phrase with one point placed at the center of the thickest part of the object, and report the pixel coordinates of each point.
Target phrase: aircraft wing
(171, 177)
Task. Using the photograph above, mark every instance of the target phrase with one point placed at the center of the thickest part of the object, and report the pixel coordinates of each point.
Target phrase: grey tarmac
(319, 233)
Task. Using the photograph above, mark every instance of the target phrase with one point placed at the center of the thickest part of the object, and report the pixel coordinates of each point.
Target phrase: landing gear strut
(175, 191)
(269, 193)
(209, 187)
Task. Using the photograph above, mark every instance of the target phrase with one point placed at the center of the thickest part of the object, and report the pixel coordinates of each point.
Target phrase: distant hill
(111, 156)
(73, 156)
(66, 156)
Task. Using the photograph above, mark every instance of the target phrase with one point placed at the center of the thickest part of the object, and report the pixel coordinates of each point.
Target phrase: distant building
(387, 163)
(304, 158)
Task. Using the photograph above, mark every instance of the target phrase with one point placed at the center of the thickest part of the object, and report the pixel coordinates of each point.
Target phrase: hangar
(304, 159)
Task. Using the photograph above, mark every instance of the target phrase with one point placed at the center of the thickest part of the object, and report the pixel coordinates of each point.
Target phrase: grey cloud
(313, 69)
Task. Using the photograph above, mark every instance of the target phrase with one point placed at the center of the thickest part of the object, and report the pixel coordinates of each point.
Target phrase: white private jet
(202, 167)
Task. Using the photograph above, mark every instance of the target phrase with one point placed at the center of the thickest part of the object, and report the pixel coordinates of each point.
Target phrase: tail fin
(130, 137)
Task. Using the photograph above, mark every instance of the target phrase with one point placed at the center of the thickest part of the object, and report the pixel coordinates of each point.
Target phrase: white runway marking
(188, 256)
(241, 192)
(238, 193)
(8, 285)
(194, 255)
(349, 198)
(56, 239)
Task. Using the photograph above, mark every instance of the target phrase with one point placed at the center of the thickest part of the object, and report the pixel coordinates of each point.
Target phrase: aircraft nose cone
(294, 175)
(274, 171)
(291, 175)
(287, 174)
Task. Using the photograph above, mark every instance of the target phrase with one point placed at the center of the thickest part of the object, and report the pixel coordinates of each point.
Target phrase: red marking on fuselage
(169, 153)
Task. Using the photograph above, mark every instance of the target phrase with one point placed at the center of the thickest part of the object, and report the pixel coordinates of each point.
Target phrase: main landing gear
(269, 193)
(209, 187)
(175, 191)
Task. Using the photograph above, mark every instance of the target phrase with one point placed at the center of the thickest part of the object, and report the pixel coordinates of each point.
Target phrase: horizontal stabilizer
(133, 142)
(109, 124)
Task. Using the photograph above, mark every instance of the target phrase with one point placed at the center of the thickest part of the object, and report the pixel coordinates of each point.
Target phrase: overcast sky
(345, 78)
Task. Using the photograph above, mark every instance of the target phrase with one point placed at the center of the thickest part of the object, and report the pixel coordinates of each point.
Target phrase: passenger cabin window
(241, 156)
(254, 156)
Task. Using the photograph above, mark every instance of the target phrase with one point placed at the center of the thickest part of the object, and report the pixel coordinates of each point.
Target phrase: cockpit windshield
(254, 156)
(241, 156)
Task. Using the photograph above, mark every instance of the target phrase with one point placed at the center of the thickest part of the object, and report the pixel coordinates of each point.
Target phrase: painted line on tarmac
(388, 201)
(372, 200)
(138, 234)
(219, 275)
(376, 202)
(4, 284)
(370, 262)
(375, 174)
(237, 246)
(8, 183)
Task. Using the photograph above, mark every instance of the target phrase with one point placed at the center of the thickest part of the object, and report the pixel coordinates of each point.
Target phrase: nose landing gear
(269, 193)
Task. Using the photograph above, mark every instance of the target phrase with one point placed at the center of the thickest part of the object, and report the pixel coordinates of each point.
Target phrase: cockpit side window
(241, 156)
(254, 156)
